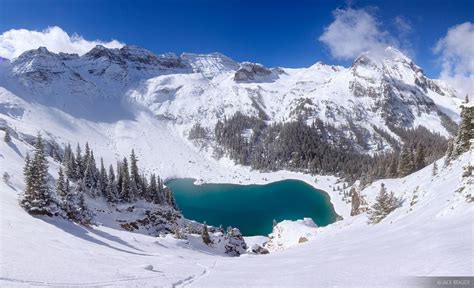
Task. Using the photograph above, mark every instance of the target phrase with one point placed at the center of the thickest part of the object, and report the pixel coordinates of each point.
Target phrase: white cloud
(16, 41)
(456, 51)
(354, 31)
(403, 25)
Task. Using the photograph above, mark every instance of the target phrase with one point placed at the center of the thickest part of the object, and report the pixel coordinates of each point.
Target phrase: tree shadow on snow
(113, 238)
(14, 148)
(83, 233)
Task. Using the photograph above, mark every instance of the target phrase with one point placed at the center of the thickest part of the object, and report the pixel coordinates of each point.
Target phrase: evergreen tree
(119, 180)
(103, 179)
(87, 155)
(355, 201)
(7, 138)
(205, 235)
(69, 162)
(420, 157)
(153, 190)
(54, 152)
(145, 189)
(37, 197)
(28, 194)
(434, 172)
(405, 163)
(384, 204)
(449, 152)
(75, 206)
(170, 198)
(61, 185)
(79, 163)
(112, 193)
(125, 176)
(161, 189)
(274, 223)
(465, 132)
(393, 168)
(90, 173)
(134, 177)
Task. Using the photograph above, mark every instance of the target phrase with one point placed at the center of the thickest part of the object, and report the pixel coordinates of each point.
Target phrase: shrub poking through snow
(205, 235)
(384, 204)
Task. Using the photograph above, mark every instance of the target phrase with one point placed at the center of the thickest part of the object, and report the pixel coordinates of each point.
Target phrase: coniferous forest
(79, 176)
(320, 148)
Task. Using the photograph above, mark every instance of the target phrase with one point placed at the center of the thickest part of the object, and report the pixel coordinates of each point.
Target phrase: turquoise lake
(252, 208)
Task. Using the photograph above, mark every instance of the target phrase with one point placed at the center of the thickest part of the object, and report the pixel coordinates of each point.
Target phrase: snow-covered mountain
(376, 91)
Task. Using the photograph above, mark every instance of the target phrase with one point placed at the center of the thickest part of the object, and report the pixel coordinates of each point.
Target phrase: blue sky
(275, 33)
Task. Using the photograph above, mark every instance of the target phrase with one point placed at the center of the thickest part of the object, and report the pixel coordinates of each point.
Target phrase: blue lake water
(252, 208)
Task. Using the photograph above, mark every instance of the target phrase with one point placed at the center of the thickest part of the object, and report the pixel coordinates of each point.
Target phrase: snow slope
(432, 237)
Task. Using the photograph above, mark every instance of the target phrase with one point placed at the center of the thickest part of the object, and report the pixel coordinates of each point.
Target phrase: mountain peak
(378, 56)
(210, 64)
(41, 51)
(100, 51)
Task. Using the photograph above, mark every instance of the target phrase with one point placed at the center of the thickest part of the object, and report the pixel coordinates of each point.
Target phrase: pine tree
(87, 154)
(465, 132)
(90, 173)
(75, 206)
(7, 138)
(405, 164)
(79, 163)
(103, 179)
(37, 197)
(205, 235)
(420, 157)
(153, 190)
(170, 198)
(449, 152)
(144, 189)
(161, 189)
(393, 168)
(355, 201)
(69, 162)
(61, 185)
(134, 177)
(28, 194)
(119, 180)
(125, 189)
(384, 204)
(434, 172)
(112, 193)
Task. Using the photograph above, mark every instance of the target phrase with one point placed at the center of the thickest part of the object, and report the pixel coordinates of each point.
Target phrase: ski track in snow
(191, 280)
(69, 284)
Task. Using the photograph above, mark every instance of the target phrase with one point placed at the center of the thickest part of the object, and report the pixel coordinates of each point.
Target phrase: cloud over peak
(16, 41)
(456, 51)
(354, 31)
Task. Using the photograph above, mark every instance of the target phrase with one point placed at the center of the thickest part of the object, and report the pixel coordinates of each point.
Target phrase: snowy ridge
(377, 90)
